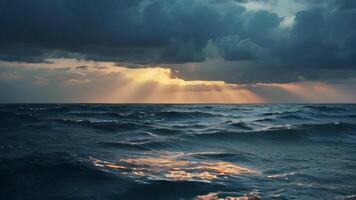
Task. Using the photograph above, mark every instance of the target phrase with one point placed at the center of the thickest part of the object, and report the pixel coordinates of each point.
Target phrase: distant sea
(178, 152)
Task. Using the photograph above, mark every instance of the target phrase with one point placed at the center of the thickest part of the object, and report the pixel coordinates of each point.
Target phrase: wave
(108, 125)
(322, 128)
(314, 128)
(176, 115)
(52, 166)
(170, 190)
(56, 176)
(271, 113)
(264, 120)
(122, 145)
(302, 132)
(98, 114)
(330, 108)
(226, 156)
(241, 125)
(10, 119)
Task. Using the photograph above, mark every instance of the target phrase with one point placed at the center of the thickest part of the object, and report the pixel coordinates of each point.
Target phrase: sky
(178, 51)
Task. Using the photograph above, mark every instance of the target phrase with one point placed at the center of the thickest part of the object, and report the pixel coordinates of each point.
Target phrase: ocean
(178, 152)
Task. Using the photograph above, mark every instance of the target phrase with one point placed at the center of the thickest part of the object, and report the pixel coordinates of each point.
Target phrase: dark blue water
(177, 152)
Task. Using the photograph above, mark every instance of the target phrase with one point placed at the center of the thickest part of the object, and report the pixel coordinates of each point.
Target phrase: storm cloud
(249, 40)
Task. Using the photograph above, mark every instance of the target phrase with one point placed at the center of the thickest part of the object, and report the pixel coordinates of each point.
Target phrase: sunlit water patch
(173, 166)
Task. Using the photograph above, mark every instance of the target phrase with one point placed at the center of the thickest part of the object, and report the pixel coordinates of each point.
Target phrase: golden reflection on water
(183, 175)
(101, 163)
(215, 196)
(173, 166)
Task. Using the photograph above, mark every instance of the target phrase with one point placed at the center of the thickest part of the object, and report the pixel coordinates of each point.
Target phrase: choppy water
(177, 151)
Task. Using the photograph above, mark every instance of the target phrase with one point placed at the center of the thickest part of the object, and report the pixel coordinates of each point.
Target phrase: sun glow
(106, 82)
(157, 85)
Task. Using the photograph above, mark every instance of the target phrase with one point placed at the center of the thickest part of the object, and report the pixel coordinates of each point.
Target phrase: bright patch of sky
(284, 8)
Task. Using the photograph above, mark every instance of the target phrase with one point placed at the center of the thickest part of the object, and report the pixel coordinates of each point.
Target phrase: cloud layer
(248, 40)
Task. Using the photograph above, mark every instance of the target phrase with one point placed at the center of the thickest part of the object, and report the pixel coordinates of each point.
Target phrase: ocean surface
(183, 152)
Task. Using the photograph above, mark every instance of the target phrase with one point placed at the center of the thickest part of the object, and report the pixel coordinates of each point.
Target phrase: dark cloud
(322, 38)
(116, 30)
(232, 47)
